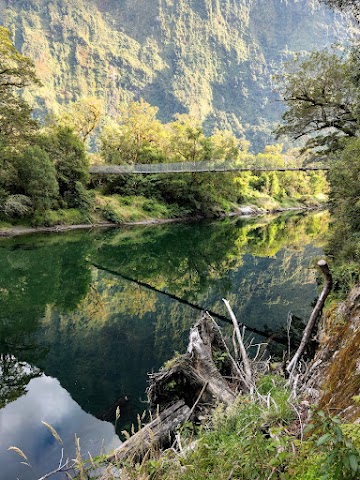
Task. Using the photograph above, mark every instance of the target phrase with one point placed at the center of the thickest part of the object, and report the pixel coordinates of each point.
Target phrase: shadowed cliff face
(209, 57)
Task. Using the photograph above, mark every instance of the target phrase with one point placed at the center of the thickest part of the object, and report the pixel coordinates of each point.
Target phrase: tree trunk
(154, 435)
(183, 391)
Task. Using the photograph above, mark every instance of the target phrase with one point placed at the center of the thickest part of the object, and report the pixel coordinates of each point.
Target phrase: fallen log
(189, 373)
(154, 435)
(184, 390)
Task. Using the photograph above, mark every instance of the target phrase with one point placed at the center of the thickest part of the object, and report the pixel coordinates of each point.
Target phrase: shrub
(17, 206)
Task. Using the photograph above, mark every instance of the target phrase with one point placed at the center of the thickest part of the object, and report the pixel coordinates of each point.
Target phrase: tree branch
(314, 316)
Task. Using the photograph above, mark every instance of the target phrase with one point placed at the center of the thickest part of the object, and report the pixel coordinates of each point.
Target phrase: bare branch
(314, 315)
(244, 356)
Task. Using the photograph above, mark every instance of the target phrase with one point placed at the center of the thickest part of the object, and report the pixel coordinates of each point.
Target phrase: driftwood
(191, 372)
(191, 384)
(153, 435)
(244, 356)
(185, 390)
(314, 315)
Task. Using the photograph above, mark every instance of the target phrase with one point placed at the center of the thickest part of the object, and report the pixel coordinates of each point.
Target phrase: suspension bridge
(193, 167)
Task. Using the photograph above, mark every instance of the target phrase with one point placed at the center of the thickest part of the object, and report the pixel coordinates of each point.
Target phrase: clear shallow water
(83, 319)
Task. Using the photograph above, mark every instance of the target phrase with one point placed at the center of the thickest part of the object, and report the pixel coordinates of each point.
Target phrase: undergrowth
(259, 437)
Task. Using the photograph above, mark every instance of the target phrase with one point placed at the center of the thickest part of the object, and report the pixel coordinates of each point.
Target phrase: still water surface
(84, 316)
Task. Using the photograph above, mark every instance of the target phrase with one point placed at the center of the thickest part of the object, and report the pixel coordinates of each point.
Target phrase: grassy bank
(261, 436)
(117, 209)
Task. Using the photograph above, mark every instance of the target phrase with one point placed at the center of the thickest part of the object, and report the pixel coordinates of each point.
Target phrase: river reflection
(20, 425)
(96, 311)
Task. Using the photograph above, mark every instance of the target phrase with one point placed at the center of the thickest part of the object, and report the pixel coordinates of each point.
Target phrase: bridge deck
(188, 167)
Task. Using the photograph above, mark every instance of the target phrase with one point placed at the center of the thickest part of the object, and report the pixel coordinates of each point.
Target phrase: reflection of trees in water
(187, 260)
(100, 335)
(14, 377)
(36, 272)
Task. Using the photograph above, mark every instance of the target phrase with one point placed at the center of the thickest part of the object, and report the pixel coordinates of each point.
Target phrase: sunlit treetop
(15, 69)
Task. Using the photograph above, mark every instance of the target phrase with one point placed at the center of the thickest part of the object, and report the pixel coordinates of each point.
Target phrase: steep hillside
(213, 58)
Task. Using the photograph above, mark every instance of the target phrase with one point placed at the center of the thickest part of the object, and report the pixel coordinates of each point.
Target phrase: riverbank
(245, 211)
(304, 427)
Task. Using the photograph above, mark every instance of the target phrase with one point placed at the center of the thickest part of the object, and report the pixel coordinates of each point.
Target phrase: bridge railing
(182, 167)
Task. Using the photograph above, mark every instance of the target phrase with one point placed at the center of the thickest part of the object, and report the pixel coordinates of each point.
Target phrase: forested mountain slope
(213, 58)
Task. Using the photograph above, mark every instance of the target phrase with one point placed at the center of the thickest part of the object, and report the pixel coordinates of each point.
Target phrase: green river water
(84, 316)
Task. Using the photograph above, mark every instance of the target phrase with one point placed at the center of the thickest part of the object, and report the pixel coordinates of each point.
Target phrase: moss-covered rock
(339, 372)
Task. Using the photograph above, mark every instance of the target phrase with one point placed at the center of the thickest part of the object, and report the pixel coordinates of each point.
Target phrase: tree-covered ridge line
(208, 58)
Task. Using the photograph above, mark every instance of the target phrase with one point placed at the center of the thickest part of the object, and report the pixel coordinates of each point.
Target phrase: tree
(271, 156)
(136, 137)
(67, 152)
(187, 140)
(344, 242)
(82, 117)
(37, 177)
(346, 5)
(225, 146)
(345, 183)
(322, 101)
(16, 72)
(17, 127)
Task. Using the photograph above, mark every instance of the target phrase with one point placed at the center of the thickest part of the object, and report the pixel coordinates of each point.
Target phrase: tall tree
(67, 152)
(83, 117)
(187, 139)
(137, 136)
(37, 177)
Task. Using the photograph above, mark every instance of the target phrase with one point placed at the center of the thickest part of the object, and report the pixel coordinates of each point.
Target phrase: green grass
(259, 437)
(126, 209)
(51, 218)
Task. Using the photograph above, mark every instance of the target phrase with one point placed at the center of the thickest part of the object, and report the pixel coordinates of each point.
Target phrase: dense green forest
(212, 59)
(45, 174)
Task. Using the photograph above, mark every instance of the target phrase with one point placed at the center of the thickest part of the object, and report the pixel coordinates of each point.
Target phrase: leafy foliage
(344, 243)
(17, 206)
(321, 99)
(37, 177)
(70, 161)
(322, 95)
(346, 5)
(183, 57)
(16, 72)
